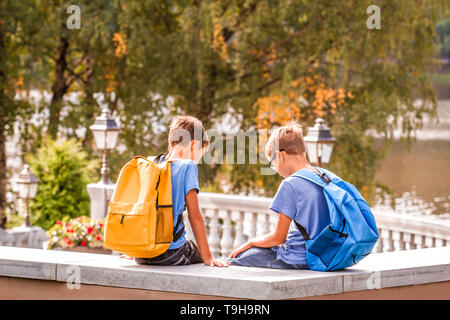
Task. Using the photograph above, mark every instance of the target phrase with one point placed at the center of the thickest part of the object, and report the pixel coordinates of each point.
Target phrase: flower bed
(81, 234)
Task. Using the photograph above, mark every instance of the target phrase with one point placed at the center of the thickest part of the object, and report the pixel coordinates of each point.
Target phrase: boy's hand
(240, 249)
(274, 238)
(213, 262)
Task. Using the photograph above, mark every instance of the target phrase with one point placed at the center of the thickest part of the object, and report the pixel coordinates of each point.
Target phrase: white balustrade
(30, 237)
(214, 228)
(239, 238)
(187, 226)
(226, 243)
(232, 219)
(253, 225)
(390, 241)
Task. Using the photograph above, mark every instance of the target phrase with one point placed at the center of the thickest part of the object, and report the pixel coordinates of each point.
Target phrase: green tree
(152, 59)
(14, 22)
(64, 171)
(258, 48)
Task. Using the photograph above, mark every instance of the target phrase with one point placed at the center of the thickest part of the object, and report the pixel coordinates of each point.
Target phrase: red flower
(83, 243)
(99, 238)
(58, 222)
(101, 225)
(89, 230)
(69, 242)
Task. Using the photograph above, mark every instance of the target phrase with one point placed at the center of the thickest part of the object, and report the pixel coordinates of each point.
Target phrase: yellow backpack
(140, 220)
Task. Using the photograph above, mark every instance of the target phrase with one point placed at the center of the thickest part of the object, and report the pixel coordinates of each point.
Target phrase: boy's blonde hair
(184, 129)
(288, 138)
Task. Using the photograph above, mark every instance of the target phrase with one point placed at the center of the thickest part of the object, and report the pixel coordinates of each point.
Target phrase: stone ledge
(377, 271)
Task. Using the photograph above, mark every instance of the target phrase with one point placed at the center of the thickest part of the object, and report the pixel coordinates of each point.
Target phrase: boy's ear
(281, 155)
(195, 145)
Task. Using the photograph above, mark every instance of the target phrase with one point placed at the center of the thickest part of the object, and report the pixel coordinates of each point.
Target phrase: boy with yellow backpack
(145, 212)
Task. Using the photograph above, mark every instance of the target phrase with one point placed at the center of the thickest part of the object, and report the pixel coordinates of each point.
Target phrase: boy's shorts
(186, 254)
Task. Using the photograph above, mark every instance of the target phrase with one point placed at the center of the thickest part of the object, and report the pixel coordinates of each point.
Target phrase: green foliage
(153, 59)
(14, 220)
(64, 171)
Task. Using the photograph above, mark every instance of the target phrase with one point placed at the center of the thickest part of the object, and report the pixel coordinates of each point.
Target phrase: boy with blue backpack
(323, 222)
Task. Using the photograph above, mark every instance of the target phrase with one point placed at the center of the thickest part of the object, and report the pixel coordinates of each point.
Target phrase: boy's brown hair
(288, 138)
(184, 129)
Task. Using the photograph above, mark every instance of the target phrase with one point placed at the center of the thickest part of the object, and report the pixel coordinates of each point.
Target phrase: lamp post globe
(319, 143)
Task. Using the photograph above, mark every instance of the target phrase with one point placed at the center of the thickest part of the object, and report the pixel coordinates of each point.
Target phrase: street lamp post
(319, 143)
(25, 235)
(105, 131)
(27, 184)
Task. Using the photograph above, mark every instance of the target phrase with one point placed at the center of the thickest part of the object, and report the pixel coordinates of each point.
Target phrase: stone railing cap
(379, 270)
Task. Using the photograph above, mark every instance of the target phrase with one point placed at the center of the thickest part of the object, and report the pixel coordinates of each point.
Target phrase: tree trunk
(3, 86)
(59, 87)
(91, 104)
(3, 180)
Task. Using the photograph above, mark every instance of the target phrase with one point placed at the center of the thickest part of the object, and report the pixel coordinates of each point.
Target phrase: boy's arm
(198, 227)
(274, 238)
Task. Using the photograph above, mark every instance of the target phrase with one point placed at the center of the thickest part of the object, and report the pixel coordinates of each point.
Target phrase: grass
(440, 77)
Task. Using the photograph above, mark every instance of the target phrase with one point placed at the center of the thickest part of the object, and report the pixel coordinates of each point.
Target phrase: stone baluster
(423, 243)
(253, 225)
(239, 237)
(379, 245)
(265, 226)
(378, 248)
(433, 242)
(390, 241)
(187, 226)
(395, 240)
(412, 241)
(214, 238)
(226, 243)
(401, 241)
(259, 225)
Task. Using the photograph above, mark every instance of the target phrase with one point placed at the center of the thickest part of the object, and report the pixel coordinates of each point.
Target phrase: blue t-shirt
(184, 175)
(303, 201)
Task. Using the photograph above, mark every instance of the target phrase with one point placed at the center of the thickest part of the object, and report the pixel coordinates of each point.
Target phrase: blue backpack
(352, 232)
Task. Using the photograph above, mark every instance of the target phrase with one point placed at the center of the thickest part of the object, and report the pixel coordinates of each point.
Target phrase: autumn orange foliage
(308, 96)
(121, 47)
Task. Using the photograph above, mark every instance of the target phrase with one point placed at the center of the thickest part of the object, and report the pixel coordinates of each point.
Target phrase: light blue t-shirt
(305, 202)
(184, 175)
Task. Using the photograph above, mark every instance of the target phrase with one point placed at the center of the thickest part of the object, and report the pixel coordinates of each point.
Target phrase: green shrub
(63, 170)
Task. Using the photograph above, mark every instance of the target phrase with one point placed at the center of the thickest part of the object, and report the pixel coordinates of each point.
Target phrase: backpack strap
(321, 179)
(302, 230)
(160, 157)
(176, 235)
